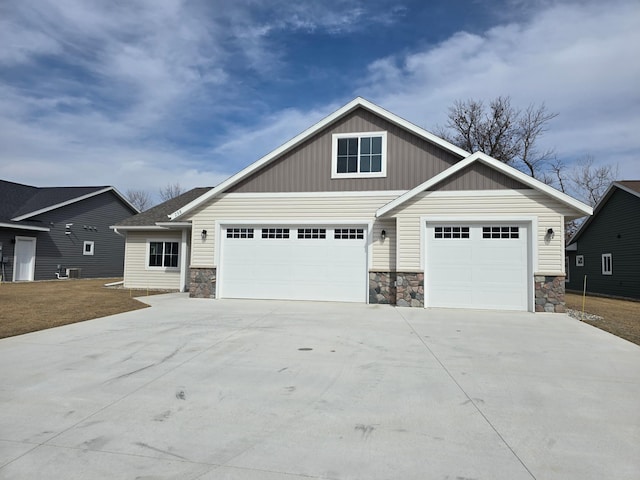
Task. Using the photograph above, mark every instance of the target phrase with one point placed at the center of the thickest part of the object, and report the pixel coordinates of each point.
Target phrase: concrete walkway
(203, 389)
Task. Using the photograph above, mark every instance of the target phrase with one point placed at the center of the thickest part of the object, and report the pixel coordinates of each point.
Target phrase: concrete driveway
(201, 389)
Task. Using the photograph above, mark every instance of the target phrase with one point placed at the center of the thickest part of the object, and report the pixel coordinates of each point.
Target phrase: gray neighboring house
(363, 207)
(54, 232)
(606, 248)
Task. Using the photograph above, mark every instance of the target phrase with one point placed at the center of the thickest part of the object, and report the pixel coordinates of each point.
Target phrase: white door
(24, 262)
(482, 266)
(307, 262)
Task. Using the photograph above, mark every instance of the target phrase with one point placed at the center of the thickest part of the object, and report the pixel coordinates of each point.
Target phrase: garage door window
(348, 234)
(239, 232)
(275, 233)
(500, 232)
(306, 233)
(451, 232)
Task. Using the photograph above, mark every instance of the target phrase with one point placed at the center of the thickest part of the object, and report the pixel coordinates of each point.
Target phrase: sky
(141, 94)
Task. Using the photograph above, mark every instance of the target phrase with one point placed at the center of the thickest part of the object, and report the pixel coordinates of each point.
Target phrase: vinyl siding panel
(516, 203)
(307, 168)
(479, 176)
(136, 273)
(615, 229)
(292, 208)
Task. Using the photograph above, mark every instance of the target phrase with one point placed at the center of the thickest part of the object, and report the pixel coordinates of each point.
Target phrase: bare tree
(502, 132)
(171, 190)
(589, 181)
(139, 199)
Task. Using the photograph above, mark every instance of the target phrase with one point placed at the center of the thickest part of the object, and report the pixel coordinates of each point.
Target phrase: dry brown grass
(31, 306)
(620, 317)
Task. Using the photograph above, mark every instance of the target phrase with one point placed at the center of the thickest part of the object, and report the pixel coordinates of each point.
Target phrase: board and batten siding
(411, 160)
(136, 272)
(550, 214)
(293, 209)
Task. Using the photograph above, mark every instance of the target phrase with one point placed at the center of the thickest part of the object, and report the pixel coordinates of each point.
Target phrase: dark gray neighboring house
(606, 248)
(53, 232)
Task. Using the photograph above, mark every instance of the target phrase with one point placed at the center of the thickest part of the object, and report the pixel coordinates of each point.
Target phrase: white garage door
(481, 266)
(294, 262)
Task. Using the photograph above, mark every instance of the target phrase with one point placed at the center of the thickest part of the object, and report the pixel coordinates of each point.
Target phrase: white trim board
(25, 227)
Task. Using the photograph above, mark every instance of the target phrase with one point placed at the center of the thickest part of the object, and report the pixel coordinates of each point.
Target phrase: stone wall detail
(410, 289)
(382, 287)
(202, 282)
(550, 294)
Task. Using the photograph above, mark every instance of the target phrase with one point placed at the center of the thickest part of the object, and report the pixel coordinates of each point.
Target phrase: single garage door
(481, 266)
(306, 262)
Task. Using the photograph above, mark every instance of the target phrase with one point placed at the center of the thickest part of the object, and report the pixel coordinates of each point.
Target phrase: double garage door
(483, 265)
(305, 262)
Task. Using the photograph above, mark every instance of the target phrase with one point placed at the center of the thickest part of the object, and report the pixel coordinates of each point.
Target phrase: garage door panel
(307, 268)
(477, 270)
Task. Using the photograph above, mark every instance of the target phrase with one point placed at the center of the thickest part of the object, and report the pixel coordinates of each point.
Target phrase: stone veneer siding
(410, 289)
(550, 294)
(382, 287)
(202, 283)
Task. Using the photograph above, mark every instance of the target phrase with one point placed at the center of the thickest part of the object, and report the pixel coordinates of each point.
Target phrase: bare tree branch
(139, 199)
(590, 181)
(171, 190)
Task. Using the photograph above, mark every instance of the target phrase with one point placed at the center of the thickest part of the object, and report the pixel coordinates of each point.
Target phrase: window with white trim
(451, 232)
(348, 234)
(579, 260)
(500, 232)
(275, 233)
(163, 254)
(239, 232)
(607, 264)
(305, 233)
(87, 247)
(359, 155)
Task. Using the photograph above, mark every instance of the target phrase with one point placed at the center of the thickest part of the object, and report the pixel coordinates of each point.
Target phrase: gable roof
(629, 186)
(358, 102)
(498, 165)
(159, 213)
(19, 203)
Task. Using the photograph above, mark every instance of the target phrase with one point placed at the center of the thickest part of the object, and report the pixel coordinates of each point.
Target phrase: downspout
(183, 261)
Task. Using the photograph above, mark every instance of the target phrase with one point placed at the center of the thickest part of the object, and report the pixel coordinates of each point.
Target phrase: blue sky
(143, 93)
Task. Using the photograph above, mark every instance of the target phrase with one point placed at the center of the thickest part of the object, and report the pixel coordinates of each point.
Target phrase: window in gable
(359, 155)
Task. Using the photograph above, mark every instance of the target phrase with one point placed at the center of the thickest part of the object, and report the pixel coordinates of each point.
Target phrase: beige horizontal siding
(136, 273)
(549, 212)
(291, 208)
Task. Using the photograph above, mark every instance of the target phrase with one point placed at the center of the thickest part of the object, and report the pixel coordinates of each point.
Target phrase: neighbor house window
(359, 155)
(87, 248)
(163, 254)
(607, 264)
(579, 260)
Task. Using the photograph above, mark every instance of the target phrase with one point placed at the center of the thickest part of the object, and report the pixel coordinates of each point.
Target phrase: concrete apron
(204, 389)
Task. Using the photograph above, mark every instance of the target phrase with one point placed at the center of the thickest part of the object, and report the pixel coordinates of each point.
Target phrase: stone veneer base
(202, 283)
(550, 294)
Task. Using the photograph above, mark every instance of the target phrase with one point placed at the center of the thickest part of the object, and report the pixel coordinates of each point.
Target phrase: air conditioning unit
(73, 272)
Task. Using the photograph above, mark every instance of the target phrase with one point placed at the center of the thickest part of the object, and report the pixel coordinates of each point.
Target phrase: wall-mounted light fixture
(383, 235)
(550, 234)
(203, 234)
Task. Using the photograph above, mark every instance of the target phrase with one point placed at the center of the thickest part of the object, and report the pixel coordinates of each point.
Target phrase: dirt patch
(620, 317)
(31, 306)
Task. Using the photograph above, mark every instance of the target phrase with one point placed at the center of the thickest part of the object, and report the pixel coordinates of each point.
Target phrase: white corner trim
(352, 105)
(502, 167)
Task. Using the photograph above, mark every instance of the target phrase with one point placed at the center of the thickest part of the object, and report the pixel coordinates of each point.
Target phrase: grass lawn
(31, 306)
(620, 317)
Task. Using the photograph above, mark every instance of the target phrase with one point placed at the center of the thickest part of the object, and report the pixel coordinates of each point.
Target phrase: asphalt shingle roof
(160, 213)
(632, 184)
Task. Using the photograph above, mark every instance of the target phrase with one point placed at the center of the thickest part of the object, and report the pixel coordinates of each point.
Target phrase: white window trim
(163, 240)
(91, 243)
(606, 256)
(334, 155)
(579, 260)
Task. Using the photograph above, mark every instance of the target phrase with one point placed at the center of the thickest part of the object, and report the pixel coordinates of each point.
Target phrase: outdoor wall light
(550, 234)
(383, 235)
(204, 234)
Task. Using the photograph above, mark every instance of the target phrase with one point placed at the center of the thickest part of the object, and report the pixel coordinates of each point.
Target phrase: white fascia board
(174, 225)
(25, 227)
(352, 105)
(498, 165)
(69, 202)
(137, 227)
